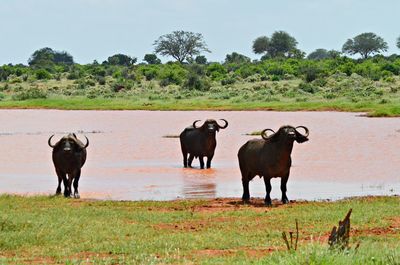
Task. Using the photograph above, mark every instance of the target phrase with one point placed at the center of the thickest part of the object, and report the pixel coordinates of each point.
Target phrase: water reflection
(199, 183)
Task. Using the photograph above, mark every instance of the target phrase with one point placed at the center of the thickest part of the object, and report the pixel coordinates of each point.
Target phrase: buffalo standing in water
(69, 155)
(200, 142)
(269, 158)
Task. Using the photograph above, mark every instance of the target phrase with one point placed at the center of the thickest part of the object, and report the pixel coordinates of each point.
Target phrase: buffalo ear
(300, 138)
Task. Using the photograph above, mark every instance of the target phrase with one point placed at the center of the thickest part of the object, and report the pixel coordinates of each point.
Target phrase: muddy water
(129, 159)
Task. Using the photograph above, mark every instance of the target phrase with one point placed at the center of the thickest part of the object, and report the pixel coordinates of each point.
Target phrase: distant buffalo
(200, 142)
(69, 155)
(269, 158)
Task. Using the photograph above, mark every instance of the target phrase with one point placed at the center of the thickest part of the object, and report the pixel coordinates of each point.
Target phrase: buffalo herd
(268, 157)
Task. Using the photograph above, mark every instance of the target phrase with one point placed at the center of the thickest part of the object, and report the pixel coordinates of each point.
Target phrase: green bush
(42, 74)
(31, 93)
(308, 87)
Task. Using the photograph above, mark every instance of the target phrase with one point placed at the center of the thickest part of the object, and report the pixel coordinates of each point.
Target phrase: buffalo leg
(69, 184)
(268, 189)
(60, 178)
(201, 162)
(76, 181)
(246, 192)
(209, 158)
(191, 157)
(185, 162)
(63, 176)
(284, 181)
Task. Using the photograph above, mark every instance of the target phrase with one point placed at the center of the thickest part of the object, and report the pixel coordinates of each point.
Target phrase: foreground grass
(54, 230)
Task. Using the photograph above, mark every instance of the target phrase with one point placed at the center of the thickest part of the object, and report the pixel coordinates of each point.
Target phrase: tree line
(186, 47)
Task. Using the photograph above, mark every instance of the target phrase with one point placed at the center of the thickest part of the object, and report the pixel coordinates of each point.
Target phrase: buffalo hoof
(77, 196)
(285, 200)
(268, 203)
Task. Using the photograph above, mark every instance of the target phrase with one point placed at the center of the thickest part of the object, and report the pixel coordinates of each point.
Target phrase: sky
(96, 29)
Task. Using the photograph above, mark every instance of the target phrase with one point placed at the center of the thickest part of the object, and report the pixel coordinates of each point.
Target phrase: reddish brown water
(129, 159)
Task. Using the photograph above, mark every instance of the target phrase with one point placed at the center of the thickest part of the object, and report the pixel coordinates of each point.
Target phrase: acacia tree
(320, 54)
(281, 44)
(236, 58)
(151, 58)
(365, 44)
(181, 45)
(260, 45)
(46, 57)
(121, 59)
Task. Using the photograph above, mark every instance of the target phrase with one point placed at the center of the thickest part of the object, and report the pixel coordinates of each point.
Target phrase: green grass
(51, 230)
(376, 98)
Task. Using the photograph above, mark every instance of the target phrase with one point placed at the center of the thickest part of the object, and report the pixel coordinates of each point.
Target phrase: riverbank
(79, 103)
(337, 93)
(55, 230)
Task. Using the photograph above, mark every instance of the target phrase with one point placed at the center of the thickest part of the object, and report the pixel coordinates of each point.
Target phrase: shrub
(42, 74)
(194, 81)
(31, 93)
(101, 80)
(307, 87)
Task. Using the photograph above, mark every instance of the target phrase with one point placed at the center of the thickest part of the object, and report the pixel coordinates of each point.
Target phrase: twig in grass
(290, 246)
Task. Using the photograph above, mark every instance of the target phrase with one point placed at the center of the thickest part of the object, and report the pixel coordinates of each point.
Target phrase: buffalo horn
(264, 135)
(194, 123)
(306, 130)
(87, 142)
(223, 127)
(49, 141)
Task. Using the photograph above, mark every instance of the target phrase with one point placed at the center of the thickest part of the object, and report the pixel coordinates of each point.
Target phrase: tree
(121, 59)
(181, 45)
(260, 45)
(398, 42)
(46, 57)
(320, 54)
(151, 58)
(236, 58)
(365, 44)
(200, 59)
(281, 44)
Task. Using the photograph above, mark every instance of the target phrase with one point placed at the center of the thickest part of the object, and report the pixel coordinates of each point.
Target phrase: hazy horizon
(95, 29)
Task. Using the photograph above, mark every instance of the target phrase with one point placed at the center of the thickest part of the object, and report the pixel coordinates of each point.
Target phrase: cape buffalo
(69, 155)
(200, 142)
(269, 158)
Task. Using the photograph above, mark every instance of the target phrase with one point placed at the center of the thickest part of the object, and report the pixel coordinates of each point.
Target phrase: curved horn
(264, 135)
(49, 142)
(194, 123)
(223, 127)
(305, 128)
(87, 142)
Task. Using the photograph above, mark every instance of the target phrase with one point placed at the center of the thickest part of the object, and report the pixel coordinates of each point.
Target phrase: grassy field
(55, 230)
(354, 93)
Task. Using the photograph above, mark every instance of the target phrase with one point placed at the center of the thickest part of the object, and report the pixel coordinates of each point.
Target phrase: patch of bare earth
(232, 204)
(257, 252)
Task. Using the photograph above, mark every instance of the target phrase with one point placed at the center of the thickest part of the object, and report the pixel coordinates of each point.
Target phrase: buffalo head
(69, 144)
(210, 125)
(287, 132)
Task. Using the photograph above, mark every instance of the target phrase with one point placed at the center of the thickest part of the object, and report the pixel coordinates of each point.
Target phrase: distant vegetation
(282, 79)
